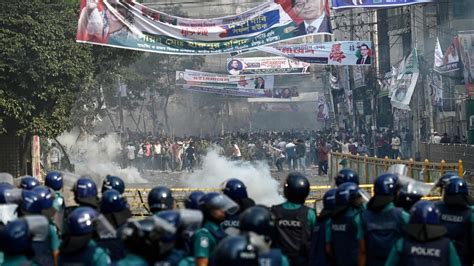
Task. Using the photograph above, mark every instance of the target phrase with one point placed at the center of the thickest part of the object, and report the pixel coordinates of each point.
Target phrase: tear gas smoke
(256, 176)
(97, 158)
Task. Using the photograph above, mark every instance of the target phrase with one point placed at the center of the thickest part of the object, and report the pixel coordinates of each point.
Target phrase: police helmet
(259, 220)
(385, 188)
(456, 192)
(46, 198)
(346, 175)
(296, 188)
(329, 202)
(214, 200)
(30, 202)
(15, 238)
(443, 180)
(3, 188)
(192, 201)
(54, 180)
(172, 217)
(346, 195)
(407, 197)
(85, 191)
(235, 251)
(28, 182)
(81, 221)
(235, 189)
(113, 182)
(160, 199)
(425, 221)
(112, 201)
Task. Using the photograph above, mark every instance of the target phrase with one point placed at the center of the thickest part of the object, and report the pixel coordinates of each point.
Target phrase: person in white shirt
(236, 154)
(131, 154)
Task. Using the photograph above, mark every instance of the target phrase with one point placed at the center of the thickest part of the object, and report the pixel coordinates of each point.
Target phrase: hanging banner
(228, 91)
(298, 97)
(193, 77)
(130, 25)
(347, 53)
(278, 107)
(467, 56)
(322, 109)
(436, 84)
(338, 4)
(450, 60)
(266, 66)
(405, 85)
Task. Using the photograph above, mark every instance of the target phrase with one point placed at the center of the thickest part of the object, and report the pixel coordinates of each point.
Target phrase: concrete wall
(451, 153)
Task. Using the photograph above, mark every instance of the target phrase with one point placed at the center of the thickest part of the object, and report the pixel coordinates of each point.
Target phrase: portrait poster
(131, 25)
(344, 53)
(451, 60)
(266, 66)
(467, 55)
(405, 85)
(436, 84)
(339, 4)
(322, 109)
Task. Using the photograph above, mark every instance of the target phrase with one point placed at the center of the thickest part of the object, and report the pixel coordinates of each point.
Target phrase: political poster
(450, 60)
(344, 53)
(278, 107)
(266, 66)
(339, 4)
(131, 25)
(193, 77)
(297, 97)
(406, 83)
(322, 109)
(467, 56)
(229, 91)
(436, 84)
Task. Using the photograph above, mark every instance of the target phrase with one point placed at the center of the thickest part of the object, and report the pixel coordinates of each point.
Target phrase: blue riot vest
(431, 253)
(231, 221)
(82, 257)
(270, 258)
(172, 259)
(317, 253)
(43, 254)
(382, 230)
(344, 238)
(458, 224)
(114, 247)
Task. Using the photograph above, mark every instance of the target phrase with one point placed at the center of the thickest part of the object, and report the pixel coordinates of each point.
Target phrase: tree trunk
(68, 165)
(165, 113)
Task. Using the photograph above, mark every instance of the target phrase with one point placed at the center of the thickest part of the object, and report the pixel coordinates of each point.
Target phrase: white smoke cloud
(216, 169)
(95, 158)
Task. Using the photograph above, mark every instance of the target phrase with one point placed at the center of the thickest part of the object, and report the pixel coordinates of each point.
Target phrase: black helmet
(259, 220)
(296, 188)
(235, 251)
(456, 192)
(160, 199)
(346, 175)
(113, 182)
(235, 189)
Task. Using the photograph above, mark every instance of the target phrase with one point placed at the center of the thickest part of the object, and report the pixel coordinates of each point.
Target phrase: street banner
(344, 53)
(298, 97)
(130, 25)
(229, 91)
(339, 4)
(322, 109)
(436, 84)
(266, 66)
(467, 56)
(405, 85)
(450, 60)
(193, 77)
(278, 107)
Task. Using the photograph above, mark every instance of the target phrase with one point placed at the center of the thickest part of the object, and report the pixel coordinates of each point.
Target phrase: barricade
(371, 167)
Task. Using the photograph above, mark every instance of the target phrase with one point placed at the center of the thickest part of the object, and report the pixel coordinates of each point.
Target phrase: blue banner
(339, 4)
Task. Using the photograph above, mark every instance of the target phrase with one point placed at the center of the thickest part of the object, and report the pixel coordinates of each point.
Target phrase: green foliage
(41, 66)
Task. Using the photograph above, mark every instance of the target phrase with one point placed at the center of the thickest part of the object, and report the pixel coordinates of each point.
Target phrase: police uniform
(231, 221)
(206, 239)
(92, 255)
(132, 260)
(17, 260)
(432, 253)
(294, 223)
(459, 224)
(343, 233)
(317, 255)
(274, 257)
(44, 249)
(381, 230)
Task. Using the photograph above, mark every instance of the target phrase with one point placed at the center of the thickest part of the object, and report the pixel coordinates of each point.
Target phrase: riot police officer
(160, 199)
(237, 191)
(382, 222)
(16, 239)
(113, 182)
(192, 201)
(54, 180)
(294, 221)
(78, 247)
(458, 218)
(346, 175)
(345, 230)
(318, 255)
(214, 207)
(407, 197)
(114, 208)
(235, 251)
(443, 180)
(28, 182)
(85, 192)
(424, 242)
(260, 220)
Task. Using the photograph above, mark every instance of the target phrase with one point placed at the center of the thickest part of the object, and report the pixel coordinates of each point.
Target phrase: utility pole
(120, 108)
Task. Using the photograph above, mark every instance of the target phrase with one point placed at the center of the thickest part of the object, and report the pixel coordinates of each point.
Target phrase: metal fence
(371, 167)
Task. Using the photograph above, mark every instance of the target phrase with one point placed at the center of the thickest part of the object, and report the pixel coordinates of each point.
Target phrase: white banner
(192, 77)
(266, 66)
(302, 97)
(405, 85)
